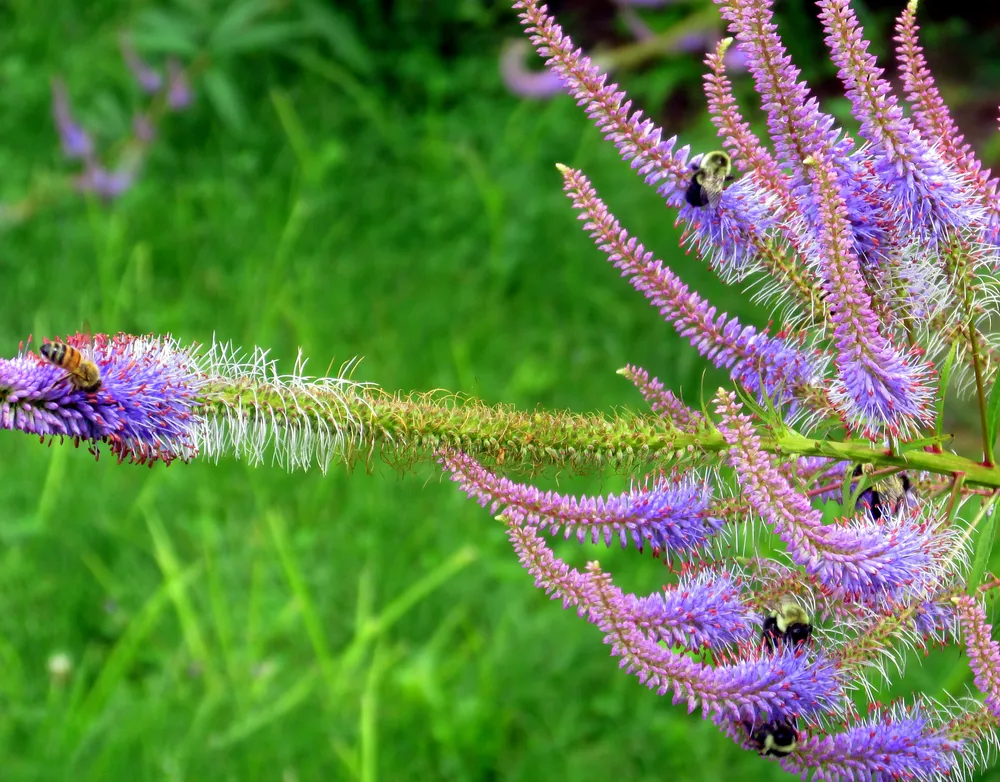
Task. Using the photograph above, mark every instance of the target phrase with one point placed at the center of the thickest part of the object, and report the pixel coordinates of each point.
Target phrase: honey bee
(709, 179)
(82, 372)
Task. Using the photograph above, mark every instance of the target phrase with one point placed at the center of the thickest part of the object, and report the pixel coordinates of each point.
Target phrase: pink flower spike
(983, 651)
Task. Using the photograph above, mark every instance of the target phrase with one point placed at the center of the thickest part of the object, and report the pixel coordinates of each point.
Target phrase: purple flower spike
(147, 77)
(524, 82)
(880, 389)
(670, 516)
(783, 686)
(143, 407)
(739, 138)
(766, 365)
(900, 744)
(934, 620)
(179, 94)
(923, 195)
(983, 651)
(664, 402)
(865, 561)
(101, 182)
(704, 611)
(934, 120)
(819, 471)
(729, 234)
(76, 142)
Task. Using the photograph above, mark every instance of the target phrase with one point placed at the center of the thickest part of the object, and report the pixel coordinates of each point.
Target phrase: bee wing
(87, 333)
(713, 196)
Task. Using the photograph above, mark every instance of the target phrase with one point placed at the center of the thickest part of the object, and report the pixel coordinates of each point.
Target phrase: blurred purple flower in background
(148, 78)
(108, 181)
(143, 128)
(98, 180)
(696, 34)
(76, 142)
(520, 79)
(179, 94)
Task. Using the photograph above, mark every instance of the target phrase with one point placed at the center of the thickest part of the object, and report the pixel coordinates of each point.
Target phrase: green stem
(406, 429)
(958, 265)
(981, 396)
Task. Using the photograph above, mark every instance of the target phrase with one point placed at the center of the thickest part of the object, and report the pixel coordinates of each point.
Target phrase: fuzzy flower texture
(877, 251)
(150, 399)
(814, 529)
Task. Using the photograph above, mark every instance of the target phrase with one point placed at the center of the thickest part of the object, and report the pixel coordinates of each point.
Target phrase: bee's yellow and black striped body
(886, 496)
(83, 373)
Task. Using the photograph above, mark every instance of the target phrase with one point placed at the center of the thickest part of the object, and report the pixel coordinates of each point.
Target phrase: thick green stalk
(406, 429)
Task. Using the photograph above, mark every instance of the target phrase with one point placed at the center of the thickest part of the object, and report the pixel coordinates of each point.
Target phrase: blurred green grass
(234, 623)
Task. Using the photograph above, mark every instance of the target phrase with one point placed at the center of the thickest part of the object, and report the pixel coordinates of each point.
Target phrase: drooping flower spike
(983, 651)
(787, 685)
(672, 517)
(770, 366)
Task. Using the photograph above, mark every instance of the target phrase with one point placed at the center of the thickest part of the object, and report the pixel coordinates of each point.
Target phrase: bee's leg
(68, 376)
(876, 505)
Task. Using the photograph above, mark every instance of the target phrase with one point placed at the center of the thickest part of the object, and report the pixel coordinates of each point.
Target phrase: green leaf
(943, 385)
(336, 30)
(158, 32)
(238, 18)
(923, 442)
(225, 99)
(297, 137)
(993, 414)
(850, 498)
(983, 551)
(259, 37)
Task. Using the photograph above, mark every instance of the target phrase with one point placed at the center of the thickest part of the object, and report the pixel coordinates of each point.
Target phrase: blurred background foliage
(352, 178)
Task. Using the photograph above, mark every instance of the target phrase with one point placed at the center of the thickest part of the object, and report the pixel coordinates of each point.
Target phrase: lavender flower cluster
(878, 255)
(170, 90)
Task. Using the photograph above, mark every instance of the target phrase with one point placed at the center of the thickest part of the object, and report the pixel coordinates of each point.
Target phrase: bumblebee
(788, 625)
(779, 738)
(709, 179)
(887, 495)
(83, 373)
